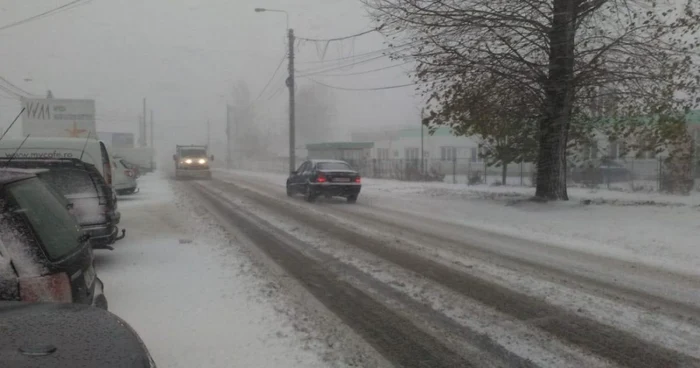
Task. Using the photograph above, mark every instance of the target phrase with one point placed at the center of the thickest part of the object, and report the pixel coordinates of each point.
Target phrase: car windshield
(192, 152)
(333, 166)
(56, 230)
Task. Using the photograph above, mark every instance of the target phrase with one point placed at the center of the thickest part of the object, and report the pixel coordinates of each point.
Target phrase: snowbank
(655, 229)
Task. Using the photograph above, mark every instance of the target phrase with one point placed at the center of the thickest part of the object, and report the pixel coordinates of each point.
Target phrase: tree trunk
(554, 127)
(504, 173)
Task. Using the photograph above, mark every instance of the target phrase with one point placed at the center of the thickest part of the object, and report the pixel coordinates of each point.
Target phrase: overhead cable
(56, 10)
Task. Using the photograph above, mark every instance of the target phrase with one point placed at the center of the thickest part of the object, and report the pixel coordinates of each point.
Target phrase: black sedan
(329, 178)
(57, 335)
(44, 254)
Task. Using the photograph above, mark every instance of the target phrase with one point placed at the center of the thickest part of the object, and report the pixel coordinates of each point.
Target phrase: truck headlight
(202, 161)
(188, 161)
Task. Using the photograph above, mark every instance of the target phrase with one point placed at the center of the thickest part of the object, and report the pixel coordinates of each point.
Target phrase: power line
(306, 73)
(22, 92)
(56, 10)
(363, 89)
(360, 73)
(370, 53)
(271, 78)
(340, 38)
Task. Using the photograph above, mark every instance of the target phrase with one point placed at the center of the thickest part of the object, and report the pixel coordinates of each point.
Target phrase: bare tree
(558, 52)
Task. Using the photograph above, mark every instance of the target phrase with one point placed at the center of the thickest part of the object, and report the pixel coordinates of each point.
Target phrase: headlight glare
(188, 161)
(202, 161)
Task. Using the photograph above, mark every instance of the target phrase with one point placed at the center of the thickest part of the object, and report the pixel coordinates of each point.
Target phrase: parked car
(135, 168)
(330, 178)
(90, 151)
(53, 335)
(92, 201)
(124, 178)
(600, 172)
(44, 254)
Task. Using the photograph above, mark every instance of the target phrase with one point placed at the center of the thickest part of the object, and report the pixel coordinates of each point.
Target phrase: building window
(616, 150)
(382, 153)
(476, 155)
(590, 151)
(448, 153)
(412, 153)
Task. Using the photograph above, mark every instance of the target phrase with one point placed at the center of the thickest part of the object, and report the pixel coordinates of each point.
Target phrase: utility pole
(228, 136)
(142, 128)
(208, 132)
(153, 149)
(290, 84)
(422, 155)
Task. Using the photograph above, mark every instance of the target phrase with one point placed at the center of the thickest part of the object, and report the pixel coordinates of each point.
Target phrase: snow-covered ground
(651, 228)
(194, 300)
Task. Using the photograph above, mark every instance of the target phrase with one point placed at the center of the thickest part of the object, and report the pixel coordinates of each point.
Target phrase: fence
(628, 175)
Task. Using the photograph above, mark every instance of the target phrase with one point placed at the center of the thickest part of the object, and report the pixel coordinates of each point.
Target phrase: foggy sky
(185, 55)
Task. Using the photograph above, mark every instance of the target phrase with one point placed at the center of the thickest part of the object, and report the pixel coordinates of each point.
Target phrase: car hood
(78, 335)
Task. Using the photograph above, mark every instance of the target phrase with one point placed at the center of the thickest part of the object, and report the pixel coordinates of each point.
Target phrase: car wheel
(289, 191)
(310, 196)
(352, 199)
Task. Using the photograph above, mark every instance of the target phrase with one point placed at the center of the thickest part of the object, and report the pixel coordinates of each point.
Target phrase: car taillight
(51, 288)
(358, 180)
(321, 178)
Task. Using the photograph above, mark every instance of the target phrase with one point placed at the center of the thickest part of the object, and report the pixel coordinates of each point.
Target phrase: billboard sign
(53, 117)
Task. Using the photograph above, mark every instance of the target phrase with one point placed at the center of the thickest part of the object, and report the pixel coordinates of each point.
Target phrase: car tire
(352, 199)
(310, 196)
(289, 191)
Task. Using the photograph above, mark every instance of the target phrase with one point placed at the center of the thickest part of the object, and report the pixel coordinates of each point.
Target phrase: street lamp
(290, 85)
(262, 10)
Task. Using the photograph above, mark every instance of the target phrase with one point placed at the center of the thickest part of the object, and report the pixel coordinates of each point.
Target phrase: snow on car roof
(315, 161)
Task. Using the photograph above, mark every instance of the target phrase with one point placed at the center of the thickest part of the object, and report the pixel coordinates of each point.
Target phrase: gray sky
(184, 56)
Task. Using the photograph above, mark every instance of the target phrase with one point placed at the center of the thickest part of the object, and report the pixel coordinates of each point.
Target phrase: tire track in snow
(619, 346)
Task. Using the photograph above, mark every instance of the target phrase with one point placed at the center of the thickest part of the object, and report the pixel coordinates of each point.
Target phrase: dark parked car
(93, 202)
(52, 335)
(330, 178)
(603, 172)
(44, 254)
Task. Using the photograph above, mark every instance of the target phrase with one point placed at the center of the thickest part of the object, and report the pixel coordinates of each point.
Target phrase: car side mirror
(212, 158)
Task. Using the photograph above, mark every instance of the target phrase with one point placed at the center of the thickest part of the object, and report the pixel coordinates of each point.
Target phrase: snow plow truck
(192, 162)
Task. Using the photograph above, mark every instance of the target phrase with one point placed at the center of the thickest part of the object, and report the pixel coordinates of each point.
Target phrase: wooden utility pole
(290, 84)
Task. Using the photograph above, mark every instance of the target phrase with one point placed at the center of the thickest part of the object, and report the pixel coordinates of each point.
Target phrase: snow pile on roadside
(662, 236)
(176, 280)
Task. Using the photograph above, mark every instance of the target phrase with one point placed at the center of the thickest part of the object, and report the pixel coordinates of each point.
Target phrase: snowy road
(427, 292)
(194, 296)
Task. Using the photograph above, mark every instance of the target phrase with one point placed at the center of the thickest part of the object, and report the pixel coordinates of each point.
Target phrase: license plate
(89, 276)
(342, 180)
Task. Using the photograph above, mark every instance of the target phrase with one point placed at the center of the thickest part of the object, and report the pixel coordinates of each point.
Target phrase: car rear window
(333, 166)
(56, 229)
(71, 182)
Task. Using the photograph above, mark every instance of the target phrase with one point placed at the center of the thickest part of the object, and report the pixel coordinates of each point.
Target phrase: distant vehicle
(92, 201)
(192, 162)
(44, 254)
(53, 335)
(124, 178)
(141, 157)
(603, 172)
(91, 151)
(330, 178)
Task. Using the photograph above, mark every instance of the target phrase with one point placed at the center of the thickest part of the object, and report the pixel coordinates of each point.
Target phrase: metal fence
(645, 175)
